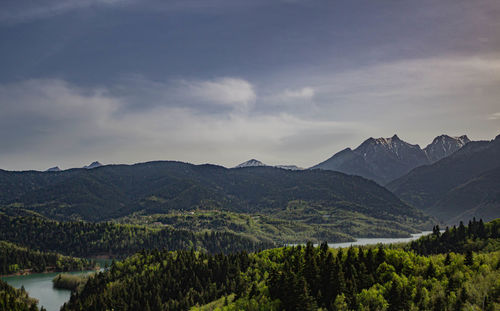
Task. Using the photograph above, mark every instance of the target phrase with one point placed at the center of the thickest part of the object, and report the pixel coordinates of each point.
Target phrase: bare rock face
(93, 165)
(250, 163)
(379, 159)
(443, 146)
(386, 159)
(53, 169)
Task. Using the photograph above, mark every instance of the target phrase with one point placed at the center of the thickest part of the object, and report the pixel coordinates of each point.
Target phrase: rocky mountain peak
(443, 146)
(250, 163)
(384, 159)
(53, 169)
(93, 165)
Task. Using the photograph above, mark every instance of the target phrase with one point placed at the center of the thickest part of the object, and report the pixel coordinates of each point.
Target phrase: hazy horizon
(221, 82)
(82, 165)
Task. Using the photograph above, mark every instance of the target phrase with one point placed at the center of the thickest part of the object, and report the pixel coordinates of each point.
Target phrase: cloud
(292, 96)
(232, 92)
(293, 100)
(417, 98)
(14, 11)
(422, 97)
(494, 116)
(227, 120)
(50, 122)
(221, 94)
(303, 93)
(51, 114)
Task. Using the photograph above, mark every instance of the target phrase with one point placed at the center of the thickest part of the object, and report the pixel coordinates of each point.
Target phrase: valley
(249, 155)
(240, 238)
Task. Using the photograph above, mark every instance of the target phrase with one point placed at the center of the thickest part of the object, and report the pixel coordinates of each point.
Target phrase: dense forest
(12, 299)
(333, 202)
(298, 278)
(83, 239)
(70, 281)
(279, 228)
(14, 258)
(475, 237)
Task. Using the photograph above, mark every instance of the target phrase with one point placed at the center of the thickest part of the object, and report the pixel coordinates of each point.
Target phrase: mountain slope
(114, 191)
(250, 163)
(443, 146)
(53, 169)
(385, 159)
(381, 159)
(425, 186)
(478, 197)
(92, 165)
(257, 163)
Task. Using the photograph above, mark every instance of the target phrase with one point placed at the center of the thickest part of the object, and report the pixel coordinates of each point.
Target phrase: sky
(223, 81)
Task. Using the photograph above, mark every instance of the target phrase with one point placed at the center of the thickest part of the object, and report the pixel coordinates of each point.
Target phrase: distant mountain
(321, 198)
(456, 185)
(93, 165)
(478, 197)
(53, 169)
(257, 163)
(250, 163)
(385, 159)
(443, 146)
(380, 159)
(289, 167)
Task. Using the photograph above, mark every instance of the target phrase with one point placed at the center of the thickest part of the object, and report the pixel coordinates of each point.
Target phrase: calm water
(371, 241)
(39, 286)
(374, 241)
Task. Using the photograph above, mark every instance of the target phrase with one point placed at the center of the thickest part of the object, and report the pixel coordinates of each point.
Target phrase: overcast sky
(223, 81)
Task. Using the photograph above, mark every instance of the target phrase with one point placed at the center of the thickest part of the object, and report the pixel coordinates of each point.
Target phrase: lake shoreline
(31, 272)
(25, 272)
(368, 241)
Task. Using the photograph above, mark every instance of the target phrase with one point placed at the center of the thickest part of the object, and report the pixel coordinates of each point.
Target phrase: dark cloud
(219, 80)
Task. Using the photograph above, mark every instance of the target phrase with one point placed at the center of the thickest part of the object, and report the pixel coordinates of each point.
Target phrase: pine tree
(469, 258)
(447, 260)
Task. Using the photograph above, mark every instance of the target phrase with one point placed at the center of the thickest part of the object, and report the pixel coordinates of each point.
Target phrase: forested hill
(160, 187)
(477, 236)
(84, 239)
(14, 259)
(12, 299)
(296, 278)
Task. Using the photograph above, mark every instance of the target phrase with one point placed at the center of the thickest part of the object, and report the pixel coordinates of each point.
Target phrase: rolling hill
(316, 197)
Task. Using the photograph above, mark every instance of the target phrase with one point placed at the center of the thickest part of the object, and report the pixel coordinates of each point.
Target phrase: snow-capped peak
(250, 163)
(93, 165)
(289, 167)
(444, 145)
(53, 169)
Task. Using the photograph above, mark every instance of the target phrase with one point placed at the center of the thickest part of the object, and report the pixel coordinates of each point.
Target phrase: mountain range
(462, 185)
(53, 169)
(257, 163)
(325, 200)
(452, 179)
(386, 159)
(90, 166)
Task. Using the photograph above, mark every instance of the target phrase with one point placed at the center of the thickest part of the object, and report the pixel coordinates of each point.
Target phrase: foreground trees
(15, 299)
(297, 278)
(474, 237)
